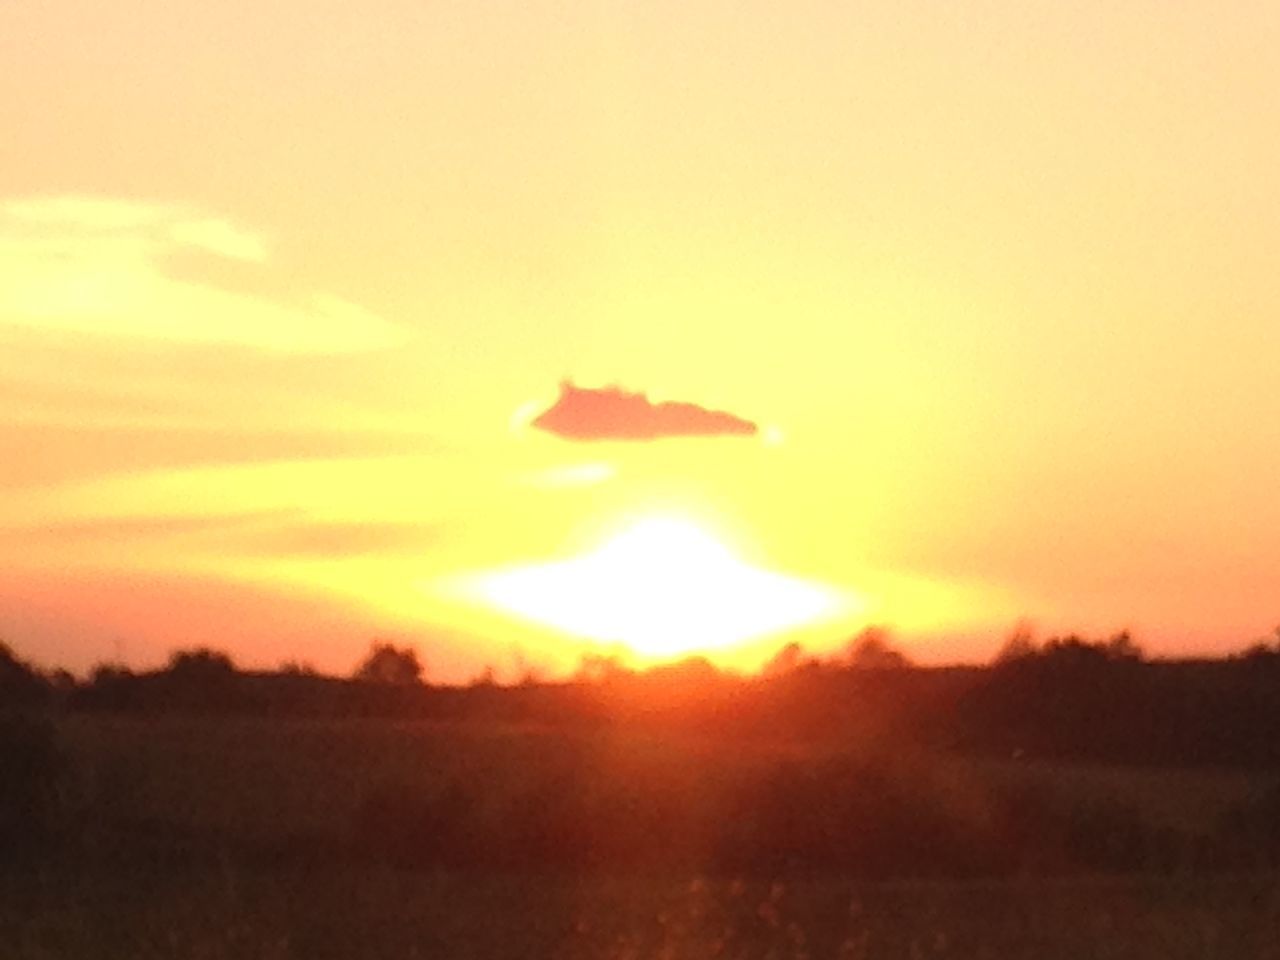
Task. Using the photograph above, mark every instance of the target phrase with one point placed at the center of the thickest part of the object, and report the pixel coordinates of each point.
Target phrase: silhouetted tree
(62, 681)
(528, 674)
(1018, 645)
(600, 668)
(104, 674)
(1265, 650)
(1072, 651)
(201, 665)
(20, 683)
(1122, 646)
(870, 649)
(693, 670)
(198, 679)
(388, 664)
(787, 660)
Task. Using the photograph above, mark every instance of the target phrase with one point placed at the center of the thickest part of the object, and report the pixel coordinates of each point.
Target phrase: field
(372, 914)
(248, 782)
(225, 838)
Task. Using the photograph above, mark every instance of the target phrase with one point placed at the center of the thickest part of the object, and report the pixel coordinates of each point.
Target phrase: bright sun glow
(662, 587)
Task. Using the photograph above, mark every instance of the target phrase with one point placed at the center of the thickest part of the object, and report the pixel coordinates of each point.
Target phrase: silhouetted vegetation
(31, 762)
(389, 664)
(1068, 758)
(20, 683)
(872, 650)
(857, 764)
(1068, 698)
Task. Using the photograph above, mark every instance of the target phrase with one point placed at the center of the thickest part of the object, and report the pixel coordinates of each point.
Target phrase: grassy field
(240, 838)
(377, 914)
(249, 776)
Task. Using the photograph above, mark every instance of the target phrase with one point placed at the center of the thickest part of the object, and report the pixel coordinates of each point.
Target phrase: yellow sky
(275, 278)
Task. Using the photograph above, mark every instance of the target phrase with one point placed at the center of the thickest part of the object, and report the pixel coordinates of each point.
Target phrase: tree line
(1067, 697)
(833, 763)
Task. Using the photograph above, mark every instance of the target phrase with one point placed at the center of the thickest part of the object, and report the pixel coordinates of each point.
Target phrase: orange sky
(275, 279)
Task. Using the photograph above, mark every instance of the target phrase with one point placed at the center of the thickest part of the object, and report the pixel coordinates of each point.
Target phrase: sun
(662, 587)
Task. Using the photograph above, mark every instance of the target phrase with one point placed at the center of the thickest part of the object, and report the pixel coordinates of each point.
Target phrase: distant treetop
(386, 663)
(871, 649)
(201, 663)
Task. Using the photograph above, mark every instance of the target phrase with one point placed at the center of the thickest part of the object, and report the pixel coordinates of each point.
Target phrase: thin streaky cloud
(256, 533)
(44, 455)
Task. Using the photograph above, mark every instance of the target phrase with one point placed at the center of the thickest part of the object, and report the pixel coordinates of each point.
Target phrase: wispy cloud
(102, 266)
(572, 475)
(86, 212)
(116, 529)
(253, 533)
(611, 413)
(43, 455)
(334, 539)
(221, 238)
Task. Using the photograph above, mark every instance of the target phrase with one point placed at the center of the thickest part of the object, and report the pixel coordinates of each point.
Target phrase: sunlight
(662, 587)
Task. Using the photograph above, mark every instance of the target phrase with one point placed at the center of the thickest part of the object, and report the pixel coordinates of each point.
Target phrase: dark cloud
(611, 413)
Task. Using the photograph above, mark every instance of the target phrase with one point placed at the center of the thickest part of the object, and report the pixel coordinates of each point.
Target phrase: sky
(963, 314)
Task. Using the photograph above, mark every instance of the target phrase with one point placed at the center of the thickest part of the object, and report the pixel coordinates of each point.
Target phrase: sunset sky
(989, 289)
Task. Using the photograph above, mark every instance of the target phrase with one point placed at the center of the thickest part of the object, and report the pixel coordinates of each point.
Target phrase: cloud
(256, 533)
(131, 528)
(220, 238)
(90, 213)
(68, 217)
(334, 539)
(611, 413)
(574, 475)
(46, 454)
(88, 265)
